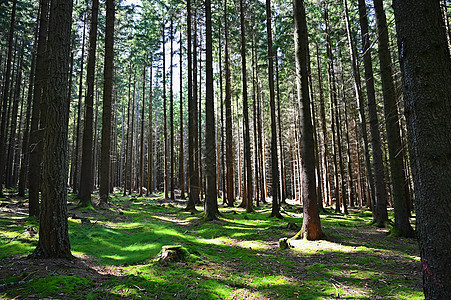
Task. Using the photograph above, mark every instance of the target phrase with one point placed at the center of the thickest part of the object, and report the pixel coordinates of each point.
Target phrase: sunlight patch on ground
(314, 246)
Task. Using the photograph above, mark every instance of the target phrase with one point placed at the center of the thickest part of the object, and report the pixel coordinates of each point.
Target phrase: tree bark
(40, 80)
(211, 201)
(311, 226)
(393, 132)
(86, 176)
(104, 179)
(425, 65)
(275, 212)
(53, 227)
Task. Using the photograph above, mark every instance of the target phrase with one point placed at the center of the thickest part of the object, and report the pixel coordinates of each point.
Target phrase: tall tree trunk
(427, 89)
(275, 212)
(86, 177)
(75, 177)
(324, 132)
(311, 226)
(332, 98)
(104, 179)
(182, 150)
(165, 127)
(53, 226)
(4, 109)
(150, 179)
(254, 108)
(360, 104)
(230, 190)
(171, 110)
(40, 80)
(393, 132)
(380, 194)
(192, 122)
(23, 175)
(279, 125)
(246, 133)
(211, 201)
(141, 151)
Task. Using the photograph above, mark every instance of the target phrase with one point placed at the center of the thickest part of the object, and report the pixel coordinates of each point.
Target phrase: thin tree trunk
(141, 161)
(40, 80)
(171, 111)
(182, 150)
(275, 212)
(211, 201)
(86, 177)
(75, 167)
(150, 176)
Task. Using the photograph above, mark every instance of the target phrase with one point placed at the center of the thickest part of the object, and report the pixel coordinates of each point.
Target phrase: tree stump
(173, 253)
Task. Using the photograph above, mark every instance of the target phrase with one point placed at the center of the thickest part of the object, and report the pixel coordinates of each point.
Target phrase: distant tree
(425, 64)
(53, 226)
(311, 227)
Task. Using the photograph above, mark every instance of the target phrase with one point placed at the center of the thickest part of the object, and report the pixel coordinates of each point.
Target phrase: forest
(225, 149)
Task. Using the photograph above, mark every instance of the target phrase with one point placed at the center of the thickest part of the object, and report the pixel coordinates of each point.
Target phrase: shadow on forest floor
(235, 257)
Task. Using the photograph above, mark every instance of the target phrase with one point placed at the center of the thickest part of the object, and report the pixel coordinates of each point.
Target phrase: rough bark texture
(211, 202)
(53, 227)
(311, 227)
(425, 64)
(86, 177)
(104, 179)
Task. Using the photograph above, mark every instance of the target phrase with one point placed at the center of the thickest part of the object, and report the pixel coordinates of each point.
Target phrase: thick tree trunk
(86, 177)
(150, 177)
(311, 227)
(427, 89)
(53, 226)
(104, 179)
(141, 147)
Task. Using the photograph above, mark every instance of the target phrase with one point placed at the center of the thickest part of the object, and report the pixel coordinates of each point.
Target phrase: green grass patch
(235, 257)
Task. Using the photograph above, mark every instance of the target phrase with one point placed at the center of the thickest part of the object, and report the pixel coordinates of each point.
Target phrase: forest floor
(116, 252)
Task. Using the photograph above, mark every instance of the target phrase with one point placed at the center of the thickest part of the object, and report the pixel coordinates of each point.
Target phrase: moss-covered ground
(236, 257)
